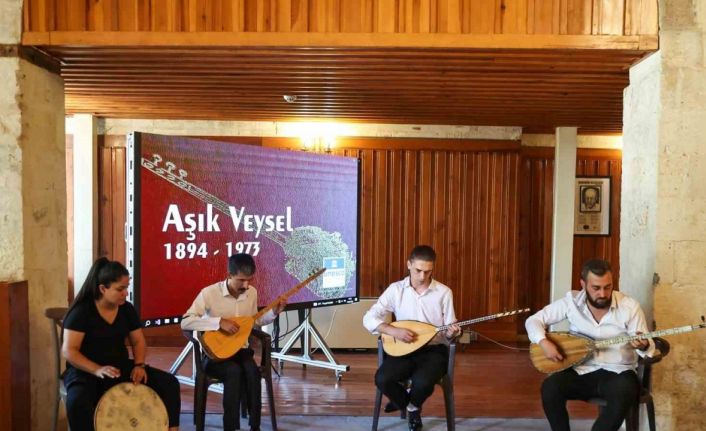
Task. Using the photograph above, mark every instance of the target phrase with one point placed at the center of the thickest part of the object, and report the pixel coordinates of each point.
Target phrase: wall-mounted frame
(592, 206)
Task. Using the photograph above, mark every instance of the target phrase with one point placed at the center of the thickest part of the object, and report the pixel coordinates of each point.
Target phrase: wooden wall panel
(463, 203)
(608, 17)
(112, 195)
(514, 17)
(482, 16)
(544, 16)
(641, 17)
(449, 16)
(601, 163)
(577, 17)
(535, 202)
(15, 401)
(487, 212)
(598, 17)
(536, 224)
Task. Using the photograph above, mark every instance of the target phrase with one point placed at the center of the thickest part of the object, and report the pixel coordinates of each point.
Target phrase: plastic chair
(203, 380)
(446, 384)
(56, 315)
(644, 374)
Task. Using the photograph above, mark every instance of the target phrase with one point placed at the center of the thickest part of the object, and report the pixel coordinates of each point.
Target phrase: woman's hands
(107, 371)
(138, 374)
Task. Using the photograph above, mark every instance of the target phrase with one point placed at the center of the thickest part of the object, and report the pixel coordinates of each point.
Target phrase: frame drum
(130, 407)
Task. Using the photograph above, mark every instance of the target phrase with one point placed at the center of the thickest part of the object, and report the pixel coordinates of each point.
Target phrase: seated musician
(417, 297)
(95, 328)
(598, 312)
(232, 297)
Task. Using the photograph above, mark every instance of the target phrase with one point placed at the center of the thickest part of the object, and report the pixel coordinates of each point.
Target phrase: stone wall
(33, 200)
(33, 209)
(41, 101)
(680, 297)
(10, 21)
(11, 241)
(638, 218)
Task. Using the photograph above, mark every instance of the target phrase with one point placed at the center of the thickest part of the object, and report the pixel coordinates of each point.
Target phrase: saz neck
(289, 293)
(483, 319)
(648, 335)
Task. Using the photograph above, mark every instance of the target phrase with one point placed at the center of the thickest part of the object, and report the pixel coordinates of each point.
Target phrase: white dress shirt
(215, 301)
(434, 306)
(625, 317)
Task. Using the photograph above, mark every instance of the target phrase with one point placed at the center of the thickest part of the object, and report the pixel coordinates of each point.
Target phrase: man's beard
(604, 304)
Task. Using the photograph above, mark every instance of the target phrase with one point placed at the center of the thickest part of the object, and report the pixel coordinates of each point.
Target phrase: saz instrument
(577, 348)
(130, 407)
(425, 332)
(220, 346)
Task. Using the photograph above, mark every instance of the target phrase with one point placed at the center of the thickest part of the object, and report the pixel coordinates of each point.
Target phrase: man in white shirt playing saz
(232, 297)
(598, 312)
(417, 297)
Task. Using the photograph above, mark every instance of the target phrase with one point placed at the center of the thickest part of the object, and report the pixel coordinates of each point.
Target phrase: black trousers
(424, 368)
(619, 390)
(233, 372)
(83, 390)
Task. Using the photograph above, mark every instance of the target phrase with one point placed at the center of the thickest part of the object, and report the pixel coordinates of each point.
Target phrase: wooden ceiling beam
(328, 40)
(534, 81)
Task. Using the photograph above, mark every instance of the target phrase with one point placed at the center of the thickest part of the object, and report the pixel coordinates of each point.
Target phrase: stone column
(680, 296)
(563, 220)
(85, 205)
(33, 198)
(638, 205)
(664, 213)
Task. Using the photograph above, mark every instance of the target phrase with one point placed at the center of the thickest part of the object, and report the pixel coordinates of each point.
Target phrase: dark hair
(598, 267)
(423, 252)
(102, 272)
(241, 263)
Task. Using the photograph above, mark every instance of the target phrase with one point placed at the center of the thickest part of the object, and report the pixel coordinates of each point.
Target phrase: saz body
(426, 332)
(220, 346)
(577, 348)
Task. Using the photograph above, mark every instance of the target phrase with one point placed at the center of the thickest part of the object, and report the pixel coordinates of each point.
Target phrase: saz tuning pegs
(314, 271)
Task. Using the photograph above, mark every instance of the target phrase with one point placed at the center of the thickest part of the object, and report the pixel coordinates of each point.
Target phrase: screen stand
(306, 331)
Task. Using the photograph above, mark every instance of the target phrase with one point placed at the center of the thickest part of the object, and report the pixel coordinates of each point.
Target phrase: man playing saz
(417, 297)
(599, 312)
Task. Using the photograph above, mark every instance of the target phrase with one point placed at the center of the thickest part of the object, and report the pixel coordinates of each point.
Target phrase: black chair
(203, 381)
(446, 384)
(644, 374)
(56, 315)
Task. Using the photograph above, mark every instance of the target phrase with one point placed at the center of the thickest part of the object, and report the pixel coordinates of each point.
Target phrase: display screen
(193, 202)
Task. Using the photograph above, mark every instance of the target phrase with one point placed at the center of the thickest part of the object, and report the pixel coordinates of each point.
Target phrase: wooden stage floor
(489, 382)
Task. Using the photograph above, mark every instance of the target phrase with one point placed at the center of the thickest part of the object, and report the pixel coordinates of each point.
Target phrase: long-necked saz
(220, 346)
(577, 348)
(426, 332)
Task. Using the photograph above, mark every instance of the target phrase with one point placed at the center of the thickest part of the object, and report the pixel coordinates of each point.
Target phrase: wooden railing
(510, 17)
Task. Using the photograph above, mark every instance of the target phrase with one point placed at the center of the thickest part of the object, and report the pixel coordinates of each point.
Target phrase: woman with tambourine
(95, 328)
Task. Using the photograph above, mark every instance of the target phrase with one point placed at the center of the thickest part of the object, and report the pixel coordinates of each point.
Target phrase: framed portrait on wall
(592, 206)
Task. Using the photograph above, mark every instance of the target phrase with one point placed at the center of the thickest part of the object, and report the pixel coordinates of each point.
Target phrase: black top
(103, 343)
